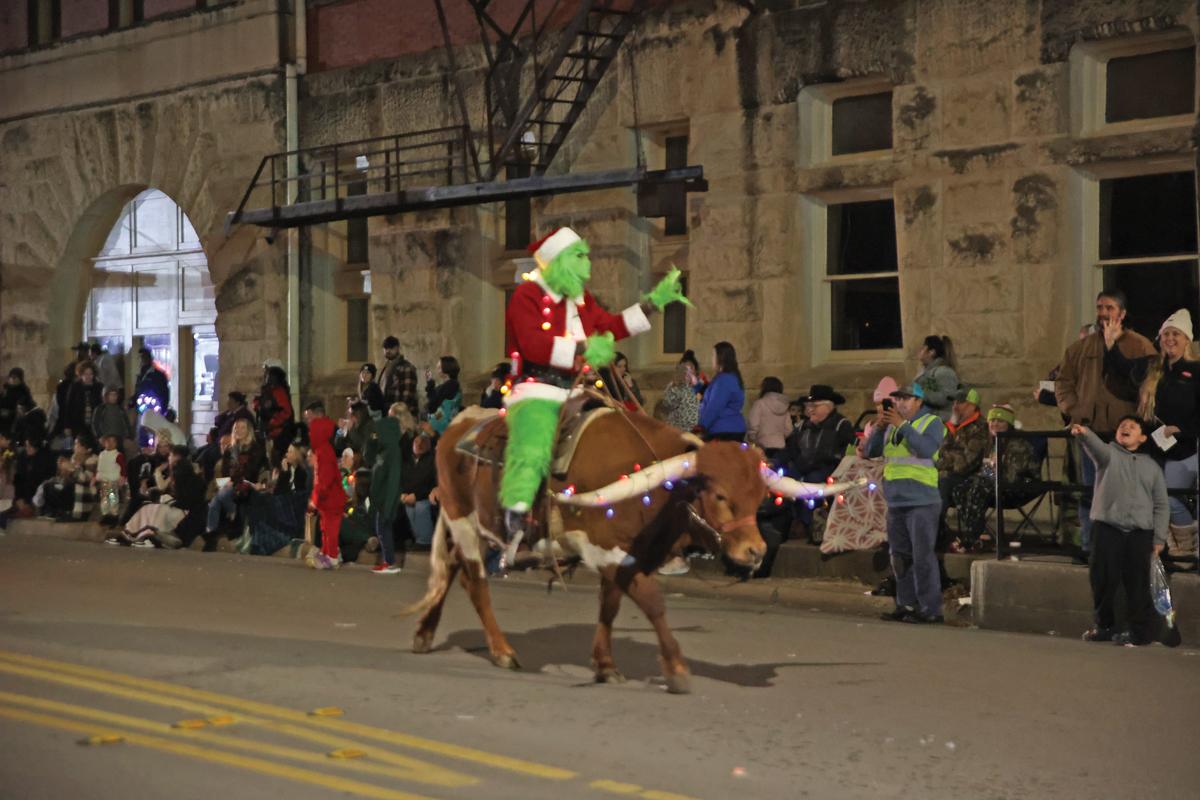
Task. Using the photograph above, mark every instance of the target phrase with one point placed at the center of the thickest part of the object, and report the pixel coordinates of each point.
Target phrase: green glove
(668, 291)
(601, 349)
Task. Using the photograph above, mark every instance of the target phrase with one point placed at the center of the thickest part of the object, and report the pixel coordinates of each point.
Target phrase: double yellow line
(325, 731)
(332, 734)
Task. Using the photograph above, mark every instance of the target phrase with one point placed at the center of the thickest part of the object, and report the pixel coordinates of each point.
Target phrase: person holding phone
(909, 437)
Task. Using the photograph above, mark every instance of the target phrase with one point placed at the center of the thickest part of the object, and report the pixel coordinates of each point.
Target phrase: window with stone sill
(1147, 85)
(845, 119)
(45, 22)
(861, 123)
(1143, 81)
(862, 276)
(357, 316)
(123, 13)
(1148, 245)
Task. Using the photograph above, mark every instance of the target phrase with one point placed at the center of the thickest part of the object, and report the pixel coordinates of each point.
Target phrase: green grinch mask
(569, 271)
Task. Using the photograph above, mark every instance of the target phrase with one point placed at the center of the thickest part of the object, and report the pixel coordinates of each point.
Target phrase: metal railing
(1004, 547)
(445, 156)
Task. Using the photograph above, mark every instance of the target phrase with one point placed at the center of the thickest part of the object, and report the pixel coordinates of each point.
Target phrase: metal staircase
(532, 102)
(588, 45)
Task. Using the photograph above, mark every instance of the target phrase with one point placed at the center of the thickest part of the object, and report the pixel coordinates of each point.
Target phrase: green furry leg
(531, 427)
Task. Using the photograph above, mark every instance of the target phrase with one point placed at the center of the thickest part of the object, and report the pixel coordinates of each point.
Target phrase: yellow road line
(208, 737)
(216, 756)
(633, 790)
(291, 715)
(416, 770)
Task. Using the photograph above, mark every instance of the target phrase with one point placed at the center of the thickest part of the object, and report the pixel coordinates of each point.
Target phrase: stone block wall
(982, 171)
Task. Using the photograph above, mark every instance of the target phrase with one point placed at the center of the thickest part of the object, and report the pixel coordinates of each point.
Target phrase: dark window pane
(356, 230)
(674, 198)
(862, 238)
(675, 324)
(1151, 85)
(862, 124)
(518, 221)
(1148, 215)
(356, 329)
(1155, 291)
(865, 314)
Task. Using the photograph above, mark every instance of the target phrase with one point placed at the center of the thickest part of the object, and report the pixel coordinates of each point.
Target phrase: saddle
(488, 437)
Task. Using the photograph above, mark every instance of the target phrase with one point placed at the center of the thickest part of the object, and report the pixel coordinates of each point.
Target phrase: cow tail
(439, 569)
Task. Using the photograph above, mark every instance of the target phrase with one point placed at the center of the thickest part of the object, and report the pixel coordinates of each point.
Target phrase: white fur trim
(562, 354)
(635, 320)
(525, 390)
(558, 241)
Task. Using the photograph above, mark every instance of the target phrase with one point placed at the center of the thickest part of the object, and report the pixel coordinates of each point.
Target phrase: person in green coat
(385, 490)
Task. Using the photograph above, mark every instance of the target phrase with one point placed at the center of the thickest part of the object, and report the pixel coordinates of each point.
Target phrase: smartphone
(887, 404)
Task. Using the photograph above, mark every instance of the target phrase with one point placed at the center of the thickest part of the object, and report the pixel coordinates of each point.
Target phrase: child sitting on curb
(1129, 522)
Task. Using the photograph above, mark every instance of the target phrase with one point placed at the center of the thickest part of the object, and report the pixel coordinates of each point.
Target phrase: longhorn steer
(620, 520)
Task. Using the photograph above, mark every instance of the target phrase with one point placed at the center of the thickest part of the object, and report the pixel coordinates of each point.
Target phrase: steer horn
(675, 468)
(798, 490)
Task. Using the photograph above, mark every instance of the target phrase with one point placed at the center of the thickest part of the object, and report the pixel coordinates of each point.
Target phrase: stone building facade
(878, 170)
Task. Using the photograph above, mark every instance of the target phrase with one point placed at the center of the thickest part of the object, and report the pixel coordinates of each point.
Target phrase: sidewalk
(1040, 594)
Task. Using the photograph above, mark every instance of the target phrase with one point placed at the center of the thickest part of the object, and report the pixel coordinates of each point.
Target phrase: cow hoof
(610, 675)
(679, 683)
(507, 661)
(422, 643)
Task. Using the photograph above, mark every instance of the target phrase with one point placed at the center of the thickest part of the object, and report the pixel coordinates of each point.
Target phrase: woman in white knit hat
(1169, 395)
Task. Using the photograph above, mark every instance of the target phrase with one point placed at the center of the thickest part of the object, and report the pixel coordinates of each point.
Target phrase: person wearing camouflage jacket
(976, 495)
(966, 444)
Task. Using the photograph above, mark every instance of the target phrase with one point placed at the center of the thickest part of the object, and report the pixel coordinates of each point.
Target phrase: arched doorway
(151, 288)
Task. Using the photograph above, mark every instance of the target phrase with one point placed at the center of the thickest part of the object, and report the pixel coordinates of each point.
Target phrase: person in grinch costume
(553, 327)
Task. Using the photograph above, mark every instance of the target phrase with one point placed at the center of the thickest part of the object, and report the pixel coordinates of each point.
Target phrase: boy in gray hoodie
(1129, 522)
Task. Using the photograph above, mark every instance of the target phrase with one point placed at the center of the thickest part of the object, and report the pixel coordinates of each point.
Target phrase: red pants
(331, 527)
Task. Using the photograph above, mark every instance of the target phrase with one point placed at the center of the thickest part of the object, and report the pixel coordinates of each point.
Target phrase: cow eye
(722, 498)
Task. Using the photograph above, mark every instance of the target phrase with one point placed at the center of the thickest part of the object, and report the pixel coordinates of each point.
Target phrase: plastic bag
(1161, 591)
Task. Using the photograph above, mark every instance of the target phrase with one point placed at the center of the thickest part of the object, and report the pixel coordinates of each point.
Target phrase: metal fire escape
(540, 76)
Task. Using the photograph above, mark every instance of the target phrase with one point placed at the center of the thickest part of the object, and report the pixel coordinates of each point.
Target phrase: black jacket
(813, 447)
(1176, 401)
(30, 472)
(30, 426)
(9, 400)
(372, 395)
(438, 394)
(419, 477)
(152, 380)
(187, 486)
(82, 401)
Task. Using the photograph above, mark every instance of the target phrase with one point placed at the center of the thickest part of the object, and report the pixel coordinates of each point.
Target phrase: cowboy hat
(820, 391)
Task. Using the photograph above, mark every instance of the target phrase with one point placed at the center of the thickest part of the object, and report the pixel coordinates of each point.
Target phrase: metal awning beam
(315, 212)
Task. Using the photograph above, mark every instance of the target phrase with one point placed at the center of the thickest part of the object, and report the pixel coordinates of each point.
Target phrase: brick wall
(14, 26)
(355, 32)
(155, 8)
(83, 16)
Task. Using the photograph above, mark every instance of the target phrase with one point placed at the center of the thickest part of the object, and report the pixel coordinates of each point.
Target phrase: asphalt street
(151, 674)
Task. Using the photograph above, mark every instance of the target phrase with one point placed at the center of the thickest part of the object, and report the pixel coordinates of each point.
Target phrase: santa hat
(1181, 321)
(547, 249)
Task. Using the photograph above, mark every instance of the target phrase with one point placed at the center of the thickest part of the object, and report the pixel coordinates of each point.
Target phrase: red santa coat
(570, 320)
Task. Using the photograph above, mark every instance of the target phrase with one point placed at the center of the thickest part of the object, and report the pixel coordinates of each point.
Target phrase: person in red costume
(328, 500)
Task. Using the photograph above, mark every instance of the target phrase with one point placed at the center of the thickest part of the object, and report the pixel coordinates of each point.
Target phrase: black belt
(555, 377)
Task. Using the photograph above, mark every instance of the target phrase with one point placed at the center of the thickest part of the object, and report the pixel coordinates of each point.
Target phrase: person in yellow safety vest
(909, 446)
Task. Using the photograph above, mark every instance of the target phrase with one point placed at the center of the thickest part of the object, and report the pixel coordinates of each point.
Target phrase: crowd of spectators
(264, 479)
(370, 474)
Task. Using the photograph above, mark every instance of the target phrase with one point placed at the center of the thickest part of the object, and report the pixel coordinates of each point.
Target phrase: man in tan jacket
(1088, 395)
